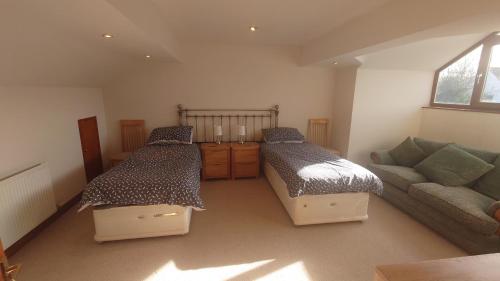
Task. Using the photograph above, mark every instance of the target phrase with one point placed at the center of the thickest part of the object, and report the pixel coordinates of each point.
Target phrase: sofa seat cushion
(399, 176)
(461, 204)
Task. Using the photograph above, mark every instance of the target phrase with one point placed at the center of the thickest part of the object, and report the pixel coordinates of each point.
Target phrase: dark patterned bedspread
(310, 169)
(155, 174)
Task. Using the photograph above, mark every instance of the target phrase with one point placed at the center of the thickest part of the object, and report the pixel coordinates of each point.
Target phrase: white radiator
(26, 200)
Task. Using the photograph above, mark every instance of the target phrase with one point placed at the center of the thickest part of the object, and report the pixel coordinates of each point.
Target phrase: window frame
(488, 43)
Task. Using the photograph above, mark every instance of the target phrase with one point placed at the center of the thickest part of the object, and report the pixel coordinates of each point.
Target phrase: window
(491, 92)
(471, 80)
(456, 82)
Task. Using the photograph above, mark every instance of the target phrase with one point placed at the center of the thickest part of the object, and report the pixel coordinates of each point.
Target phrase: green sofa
(461, 214)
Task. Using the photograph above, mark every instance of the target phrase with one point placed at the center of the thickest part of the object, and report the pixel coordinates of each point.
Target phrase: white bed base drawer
(130, 222)
(315, 209)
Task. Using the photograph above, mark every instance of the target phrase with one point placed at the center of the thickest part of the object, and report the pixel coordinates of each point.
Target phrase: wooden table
(333, 151)
(472, 268)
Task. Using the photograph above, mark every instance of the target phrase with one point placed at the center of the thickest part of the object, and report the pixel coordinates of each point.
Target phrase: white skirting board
(315, 209)
(131, 222)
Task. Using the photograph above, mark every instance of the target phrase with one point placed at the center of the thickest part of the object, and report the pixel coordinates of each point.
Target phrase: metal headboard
(205, 120)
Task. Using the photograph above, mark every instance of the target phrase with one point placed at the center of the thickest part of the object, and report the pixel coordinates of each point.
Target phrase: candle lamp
(218, 134)
(241, 134)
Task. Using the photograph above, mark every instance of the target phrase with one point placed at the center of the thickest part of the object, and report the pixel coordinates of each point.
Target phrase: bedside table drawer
(245, 160)
(246, 170)
(217, 171)
(216, 157)
(246, 156)
(216, 160)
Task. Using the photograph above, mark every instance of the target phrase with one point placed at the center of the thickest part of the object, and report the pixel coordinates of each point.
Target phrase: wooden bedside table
(119, 157)
(245, 160)
(333, 151)
(216, 160)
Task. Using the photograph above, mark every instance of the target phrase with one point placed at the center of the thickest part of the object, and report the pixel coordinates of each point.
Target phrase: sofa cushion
(407, 153)
(489, 184)
(461, 204)
(399, 176)
(487, 156)
(452, 166)
(382, 157)
(428, 146)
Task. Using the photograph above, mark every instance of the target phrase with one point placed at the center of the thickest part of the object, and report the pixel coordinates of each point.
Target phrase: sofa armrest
(382, 157)
(494, 211)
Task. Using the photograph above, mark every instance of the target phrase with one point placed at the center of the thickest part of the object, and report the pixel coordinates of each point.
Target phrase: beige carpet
(244, 235)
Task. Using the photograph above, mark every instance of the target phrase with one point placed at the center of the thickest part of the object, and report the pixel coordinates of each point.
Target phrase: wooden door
(91, 148)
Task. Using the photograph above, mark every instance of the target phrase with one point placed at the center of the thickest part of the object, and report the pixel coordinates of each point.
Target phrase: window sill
(463, 109)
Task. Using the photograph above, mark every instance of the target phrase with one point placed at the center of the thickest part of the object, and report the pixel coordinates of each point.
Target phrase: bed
(152, 193)
(316, 186)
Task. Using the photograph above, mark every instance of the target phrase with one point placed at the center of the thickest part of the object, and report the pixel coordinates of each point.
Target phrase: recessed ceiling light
(253, 28)
(107, 35)
(334, 62)
(148, 56)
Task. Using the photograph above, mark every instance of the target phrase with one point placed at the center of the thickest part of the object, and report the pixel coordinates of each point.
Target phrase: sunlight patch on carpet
(295, 271)
(170, 272)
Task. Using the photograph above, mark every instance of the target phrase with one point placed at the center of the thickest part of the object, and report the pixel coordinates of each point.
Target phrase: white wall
(386, 109)
(475, 129)
(345, 84)
(40, 124)
(217, 76)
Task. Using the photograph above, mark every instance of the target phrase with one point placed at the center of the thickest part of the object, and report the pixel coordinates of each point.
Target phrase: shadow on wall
(68, 185)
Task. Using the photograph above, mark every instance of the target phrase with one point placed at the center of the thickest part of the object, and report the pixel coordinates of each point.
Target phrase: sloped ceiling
(425, 55)
(59, 42)
(400, 22)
